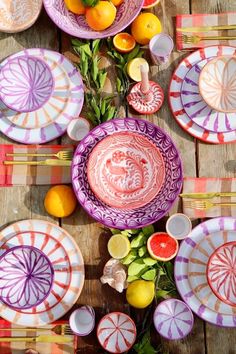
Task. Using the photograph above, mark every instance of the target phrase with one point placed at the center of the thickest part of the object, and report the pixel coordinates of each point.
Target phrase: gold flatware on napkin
(196, 39)
(206, 28)
(61, 155)
(48, 162)
(41, 338)
(61, 329)
(205, 204)
(207, 195)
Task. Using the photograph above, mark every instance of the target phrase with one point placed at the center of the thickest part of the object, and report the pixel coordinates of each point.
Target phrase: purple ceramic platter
(76, 25)
(198, 110)
(175, 100)
(26, 276)
(51, 120)
(191, 270)
(122, 218)
(173, 319)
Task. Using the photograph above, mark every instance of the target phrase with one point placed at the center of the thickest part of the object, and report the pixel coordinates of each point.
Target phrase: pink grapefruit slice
(150, 3)
(162, 246)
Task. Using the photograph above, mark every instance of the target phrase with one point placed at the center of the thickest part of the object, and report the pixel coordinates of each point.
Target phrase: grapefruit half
(150, 3)
(162, 246)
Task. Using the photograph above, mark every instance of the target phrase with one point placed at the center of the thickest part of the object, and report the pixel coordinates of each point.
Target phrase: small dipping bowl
(82, 320)
(26, 83)
(78, 128)
(178, 226)
(161, 46)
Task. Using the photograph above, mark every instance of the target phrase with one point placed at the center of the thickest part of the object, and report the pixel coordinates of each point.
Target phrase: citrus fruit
(117, 2)
(133, 68)
(60, 201)
(162, 246)
(101, 16)
(124, 42)
(140, 293)
(150, 3)
(118, 246)
(75, 6)
(145, 26)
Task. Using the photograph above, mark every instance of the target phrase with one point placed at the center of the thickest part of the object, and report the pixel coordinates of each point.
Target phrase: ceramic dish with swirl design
(76, 25)
(18, 15)
(64, 104)
(191, 269)
(63, 253)
(144, 215)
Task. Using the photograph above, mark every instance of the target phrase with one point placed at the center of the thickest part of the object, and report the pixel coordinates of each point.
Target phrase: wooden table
(199, 159)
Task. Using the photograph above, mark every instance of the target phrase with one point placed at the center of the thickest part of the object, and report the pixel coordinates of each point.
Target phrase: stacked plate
(41, 270)
(41, 92)
(127, 173)
(205, 271)
(198, 91)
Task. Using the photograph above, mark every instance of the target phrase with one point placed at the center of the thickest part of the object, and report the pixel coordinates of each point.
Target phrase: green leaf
(148, 230)
(162, 293)
(136, 267)
(138, 241)
(96, 45)
(129, 258)
(94, 69)
(133, 53)
(131, 278)
(149, 261)
(90, 2)
(142, 251)
(76, 42)
(92, 118)
(170, 270)
(86, 49)
(103, 106)
(115, 231)
(118, 85)
(125, 233)
(144, 345)
(149, 275)
(133, 231)
(102, 78)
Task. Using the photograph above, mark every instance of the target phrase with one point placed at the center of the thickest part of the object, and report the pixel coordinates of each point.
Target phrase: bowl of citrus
(91, 19)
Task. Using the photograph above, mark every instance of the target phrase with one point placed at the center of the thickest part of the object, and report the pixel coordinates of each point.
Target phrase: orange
(117, 2)
(145, 26)
(101, 16)
(75, 6)
(124, 42)
(60, 201)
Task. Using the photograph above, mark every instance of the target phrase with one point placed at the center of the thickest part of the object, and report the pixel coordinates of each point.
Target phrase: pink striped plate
(67, 262)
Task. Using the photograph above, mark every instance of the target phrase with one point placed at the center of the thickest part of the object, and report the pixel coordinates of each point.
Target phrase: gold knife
(48, 162)
(207, 195)
(205, 28)
(44, 339)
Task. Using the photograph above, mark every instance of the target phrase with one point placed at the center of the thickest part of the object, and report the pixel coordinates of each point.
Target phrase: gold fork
(61, 155)
(204, 204)
(196, 39)
(62, 329)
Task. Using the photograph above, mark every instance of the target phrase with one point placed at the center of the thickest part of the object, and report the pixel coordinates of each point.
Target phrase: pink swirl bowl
(26, 276)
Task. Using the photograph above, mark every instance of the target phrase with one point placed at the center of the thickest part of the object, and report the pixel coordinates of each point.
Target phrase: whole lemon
(60, 201)
(145, 26)
(140, 293)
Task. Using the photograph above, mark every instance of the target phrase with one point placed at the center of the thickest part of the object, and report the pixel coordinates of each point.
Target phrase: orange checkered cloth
(199, 20)
(42, 348)
(206, 185)
(16, 175)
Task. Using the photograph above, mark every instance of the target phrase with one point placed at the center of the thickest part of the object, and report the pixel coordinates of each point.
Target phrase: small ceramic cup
(178, 226)
(161, 46)
(78, 128)
(82, 320)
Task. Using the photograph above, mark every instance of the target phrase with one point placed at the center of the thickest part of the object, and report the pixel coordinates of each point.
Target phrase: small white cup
(78, 128)
(161, 46)
(178, 226)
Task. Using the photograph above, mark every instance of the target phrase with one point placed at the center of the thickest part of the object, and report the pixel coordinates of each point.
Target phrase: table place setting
(62, 289)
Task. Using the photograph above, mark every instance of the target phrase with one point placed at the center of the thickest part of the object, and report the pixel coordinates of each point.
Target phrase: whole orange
(117, 2)
(75, 6)
(60, 201)
(145, 26)
(101, 16)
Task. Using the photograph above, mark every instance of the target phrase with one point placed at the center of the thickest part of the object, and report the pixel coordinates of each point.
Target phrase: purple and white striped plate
(51, 120)
(191, 270)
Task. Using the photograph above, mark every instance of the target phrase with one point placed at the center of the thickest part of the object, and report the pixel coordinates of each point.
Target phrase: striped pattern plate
(176, 103)
(67, 262)
(191, 270)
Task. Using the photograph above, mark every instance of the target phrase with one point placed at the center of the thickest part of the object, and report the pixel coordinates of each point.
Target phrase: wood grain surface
(199, 159)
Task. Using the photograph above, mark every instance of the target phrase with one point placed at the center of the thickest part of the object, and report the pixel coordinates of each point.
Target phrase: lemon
(140, 293)
(133, 68)
(118, 246)
(60, 201)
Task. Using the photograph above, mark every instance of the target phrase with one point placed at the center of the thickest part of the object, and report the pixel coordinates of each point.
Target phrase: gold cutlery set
(63, 158)
(202, 201)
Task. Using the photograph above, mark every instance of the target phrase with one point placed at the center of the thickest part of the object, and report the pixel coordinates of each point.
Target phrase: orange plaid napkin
(42, 348)
(199, 20)
(205, 185)
(13, 175)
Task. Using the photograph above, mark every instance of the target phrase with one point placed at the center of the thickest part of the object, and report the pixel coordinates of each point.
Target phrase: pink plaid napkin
(13, 175)
(205, 185)
(199, 20)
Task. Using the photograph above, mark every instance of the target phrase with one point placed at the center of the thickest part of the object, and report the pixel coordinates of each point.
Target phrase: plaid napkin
(204, 185)
(42, 348)
(13, 175)
(199, 20)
